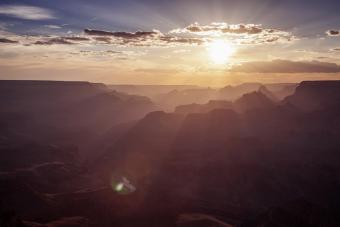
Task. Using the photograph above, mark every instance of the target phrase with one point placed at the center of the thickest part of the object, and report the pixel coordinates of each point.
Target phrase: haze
(169, 113)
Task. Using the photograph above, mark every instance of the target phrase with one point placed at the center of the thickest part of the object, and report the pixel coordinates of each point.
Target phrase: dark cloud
(53, 41)
(66, 40)
(141, 38)
(333, 32)
(76, 38)
(4, 40)
(242, 29)
(124, 35)
(285, 66)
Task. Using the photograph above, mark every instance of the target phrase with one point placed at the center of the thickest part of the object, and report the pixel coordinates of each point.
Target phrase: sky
(209, 43)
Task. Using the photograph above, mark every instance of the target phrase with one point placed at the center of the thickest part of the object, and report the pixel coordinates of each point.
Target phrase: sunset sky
(209, 43)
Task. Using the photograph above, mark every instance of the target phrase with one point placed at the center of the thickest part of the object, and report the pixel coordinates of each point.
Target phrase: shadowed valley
(86, 154)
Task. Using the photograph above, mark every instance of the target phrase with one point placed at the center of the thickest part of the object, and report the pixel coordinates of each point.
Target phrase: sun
(220, 51)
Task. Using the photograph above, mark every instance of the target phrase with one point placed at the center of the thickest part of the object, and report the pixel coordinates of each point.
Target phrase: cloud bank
(239, 33)
(141, 38)
(220, 28)
(194, 34)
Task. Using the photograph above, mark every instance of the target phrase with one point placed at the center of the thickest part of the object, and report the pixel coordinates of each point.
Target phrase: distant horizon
(184, 85)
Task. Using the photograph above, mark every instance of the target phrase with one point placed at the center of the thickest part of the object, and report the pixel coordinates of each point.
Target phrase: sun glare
(220, 51)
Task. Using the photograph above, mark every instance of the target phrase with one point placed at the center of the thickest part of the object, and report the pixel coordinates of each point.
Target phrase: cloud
(141, 38)
(5, 40)
(108, 54)
(29, 40)
(172, 39)
(286, 66)
(53, 41)
(101, 53)
(193, 35)
(26, 12)
(63, 40)
(238, 33)
(76, 38)
(333, 32)
(124, 35)
(137, 39)
(222, 28)
(51, 26)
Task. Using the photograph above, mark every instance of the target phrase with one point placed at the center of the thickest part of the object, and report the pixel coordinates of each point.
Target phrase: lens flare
(119, 187)
(122, 185)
